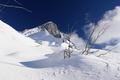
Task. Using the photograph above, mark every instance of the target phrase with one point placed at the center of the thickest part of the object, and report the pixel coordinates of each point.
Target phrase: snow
(11, 71)
(79, 42)
(15, 44)
(21, 58)
(76, 68)
(64, 45)
(111, 21)
(11, 41)
(45, 36)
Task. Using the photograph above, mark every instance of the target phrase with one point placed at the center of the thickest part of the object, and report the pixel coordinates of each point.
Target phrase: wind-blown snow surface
(23, 59)
(38, 35)
(15, 44)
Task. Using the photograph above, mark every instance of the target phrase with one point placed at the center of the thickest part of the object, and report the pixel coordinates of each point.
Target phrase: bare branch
(87, 43)
(108, 51)
(2, 7)
(13, 6)
(100, 33)
(92, 39)
(17, 2)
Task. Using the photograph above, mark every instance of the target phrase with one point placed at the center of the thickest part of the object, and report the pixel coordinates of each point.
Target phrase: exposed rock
(52, 29)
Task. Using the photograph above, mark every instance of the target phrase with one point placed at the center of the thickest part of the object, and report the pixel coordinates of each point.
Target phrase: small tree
(93, 37)
(67, 37)
(69, 46)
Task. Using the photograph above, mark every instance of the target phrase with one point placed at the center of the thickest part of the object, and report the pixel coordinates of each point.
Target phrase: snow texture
(21, 58)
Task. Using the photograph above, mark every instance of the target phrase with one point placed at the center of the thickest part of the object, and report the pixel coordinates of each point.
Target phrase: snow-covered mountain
(46, 32)
(11, 40)
(12, 43)
(50, 26)
(22, 58)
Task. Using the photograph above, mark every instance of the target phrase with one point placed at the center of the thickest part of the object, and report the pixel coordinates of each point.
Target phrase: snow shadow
(56, 60)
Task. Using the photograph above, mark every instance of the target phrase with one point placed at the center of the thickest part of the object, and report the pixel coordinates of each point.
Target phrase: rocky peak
(52, 28)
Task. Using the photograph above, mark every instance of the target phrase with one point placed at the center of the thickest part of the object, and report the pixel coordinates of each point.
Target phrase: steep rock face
(52, 29)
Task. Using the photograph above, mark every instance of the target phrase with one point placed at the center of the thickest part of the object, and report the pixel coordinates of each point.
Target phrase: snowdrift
(23, 58)
(16, 45)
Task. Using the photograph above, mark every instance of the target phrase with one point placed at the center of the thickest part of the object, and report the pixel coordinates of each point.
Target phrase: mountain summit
(50, 27)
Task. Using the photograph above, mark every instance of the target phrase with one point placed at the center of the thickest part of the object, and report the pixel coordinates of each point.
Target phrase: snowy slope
(12, 70)
(15, 44)
(45, 36)
(78, 67)
(11, 40)
(15, 47)
(41, 33)
(21, 58)
(56, 68)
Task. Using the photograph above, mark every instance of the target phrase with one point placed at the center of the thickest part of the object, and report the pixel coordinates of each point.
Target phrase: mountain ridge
(36, 61)
(49, 26)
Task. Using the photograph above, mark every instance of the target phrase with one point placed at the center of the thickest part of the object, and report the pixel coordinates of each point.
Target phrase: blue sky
(62, 12)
